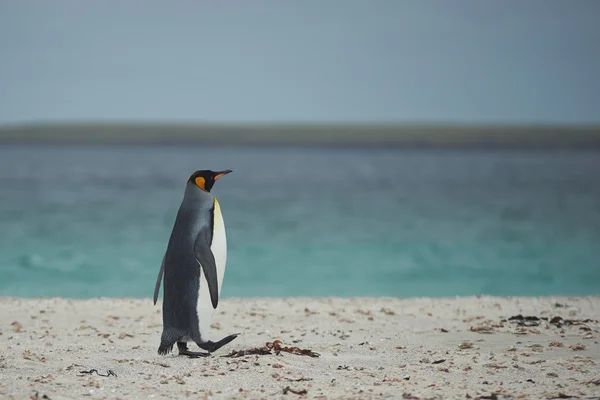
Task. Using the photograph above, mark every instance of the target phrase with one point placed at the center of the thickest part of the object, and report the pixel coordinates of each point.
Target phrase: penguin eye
(200, 182)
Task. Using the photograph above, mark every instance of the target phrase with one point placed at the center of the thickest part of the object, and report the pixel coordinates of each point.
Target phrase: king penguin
(193, 267)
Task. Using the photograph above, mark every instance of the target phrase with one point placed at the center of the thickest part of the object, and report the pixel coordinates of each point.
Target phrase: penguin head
(205, 179)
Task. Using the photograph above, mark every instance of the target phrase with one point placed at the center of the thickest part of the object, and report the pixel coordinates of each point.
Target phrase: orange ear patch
(200, 182)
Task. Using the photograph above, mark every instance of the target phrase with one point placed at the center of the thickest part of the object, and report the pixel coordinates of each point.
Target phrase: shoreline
(368, 347)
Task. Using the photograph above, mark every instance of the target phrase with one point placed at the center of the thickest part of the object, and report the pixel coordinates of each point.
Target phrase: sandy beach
(484, 347)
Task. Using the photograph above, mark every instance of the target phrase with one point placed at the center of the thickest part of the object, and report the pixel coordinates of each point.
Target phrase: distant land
(308, 134)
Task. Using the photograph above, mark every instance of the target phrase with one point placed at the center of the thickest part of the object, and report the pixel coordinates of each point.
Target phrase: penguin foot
(214, 346)
(183, 351)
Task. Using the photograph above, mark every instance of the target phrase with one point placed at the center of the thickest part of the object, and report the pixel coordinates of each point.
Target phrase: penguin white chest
(219, 249)
(219, 243)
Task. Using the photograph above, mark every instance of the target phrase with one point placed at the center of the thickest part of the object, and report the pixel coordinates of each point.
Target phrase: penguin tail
(168, 339)
(165, 348)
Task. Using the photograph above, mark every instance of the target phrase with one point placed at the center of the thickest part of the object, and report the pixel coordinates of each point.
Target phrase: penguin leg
(214, 346)
(183, 351)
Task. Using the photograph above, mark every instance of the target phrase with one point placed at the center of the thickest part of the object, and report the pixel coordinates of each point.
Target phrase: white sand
(370, 347)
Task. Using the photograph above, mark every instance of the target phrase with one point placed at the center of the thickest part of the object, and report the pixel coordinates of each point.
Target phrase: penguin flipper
(206, 259)
(159, 280)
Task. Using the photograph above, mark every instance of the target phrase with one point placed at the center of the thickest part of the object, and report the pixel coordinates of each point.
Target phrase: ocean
(88, 221)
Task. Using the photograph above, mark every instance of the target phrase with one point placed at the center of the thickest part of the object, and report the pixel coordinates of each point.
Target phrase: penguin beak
(222, 173)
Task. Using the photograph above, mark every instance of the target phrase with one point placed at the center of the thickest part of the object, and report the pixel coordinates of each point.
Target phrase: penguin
(193, 268)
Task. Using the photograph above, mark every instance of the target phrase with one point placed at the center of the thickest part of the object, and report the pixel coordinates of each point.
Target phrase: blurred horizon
(344, 134)
(284, 123)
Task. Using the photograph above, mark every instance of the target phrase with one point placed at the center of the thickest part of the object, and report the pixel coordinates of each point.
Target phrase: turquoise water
(94, 221)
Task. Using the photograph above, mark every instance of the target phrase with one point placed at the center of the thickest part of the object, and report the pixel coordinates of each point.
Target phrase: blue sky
(307, 60)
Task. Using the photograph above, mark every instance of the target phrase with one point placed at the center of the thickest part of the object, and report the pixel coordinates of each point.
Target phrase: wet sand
(368, 348)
